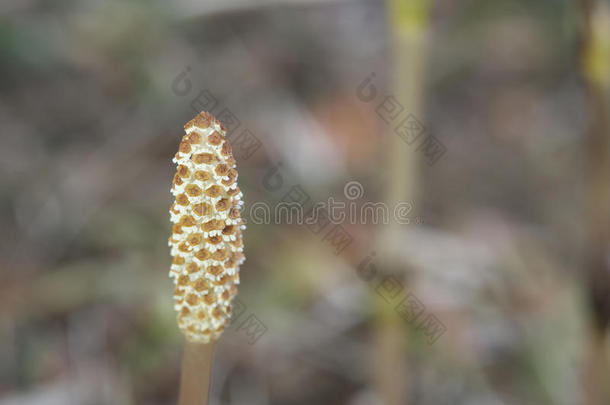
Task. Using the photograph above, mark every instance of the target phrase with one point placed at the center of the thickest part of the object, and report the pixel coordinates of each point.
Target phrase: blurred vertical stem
(196, 372)
(408, 21)
(595, 65)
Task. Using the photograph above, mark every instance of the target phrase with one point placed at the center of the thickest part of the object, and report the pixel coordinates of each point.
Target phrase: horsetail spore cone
(206, 242)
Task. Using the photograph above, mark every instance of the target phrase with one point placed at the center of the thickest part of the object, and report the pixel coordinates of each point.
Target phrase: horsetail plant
(206, 246)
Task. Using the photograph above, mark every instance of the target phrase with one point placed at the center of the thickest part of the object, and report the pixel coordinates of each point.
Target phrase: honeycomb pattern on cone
(206, 241)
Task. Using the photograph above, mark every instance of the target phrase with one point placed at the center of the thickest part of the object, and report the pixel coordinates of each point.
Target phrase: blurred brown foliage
(93, 96)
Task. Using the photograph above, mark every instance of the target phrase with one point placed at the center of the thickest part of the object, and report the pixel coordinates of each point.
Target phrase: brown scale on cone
(206, 240)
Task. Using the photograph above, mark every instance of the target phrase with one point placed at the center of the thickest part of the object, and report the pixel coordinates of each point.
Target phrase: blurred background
(486, 121)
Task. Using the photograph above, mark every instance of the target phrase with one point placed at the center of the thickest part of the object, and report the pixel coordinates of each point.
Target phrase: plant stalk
(196, 373)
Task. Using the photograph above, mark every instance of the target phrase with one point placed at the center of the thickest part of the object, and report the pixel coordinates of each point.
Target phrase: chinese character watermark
(408, 128)
(250, 326)
(407, 306)
(243, 142)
